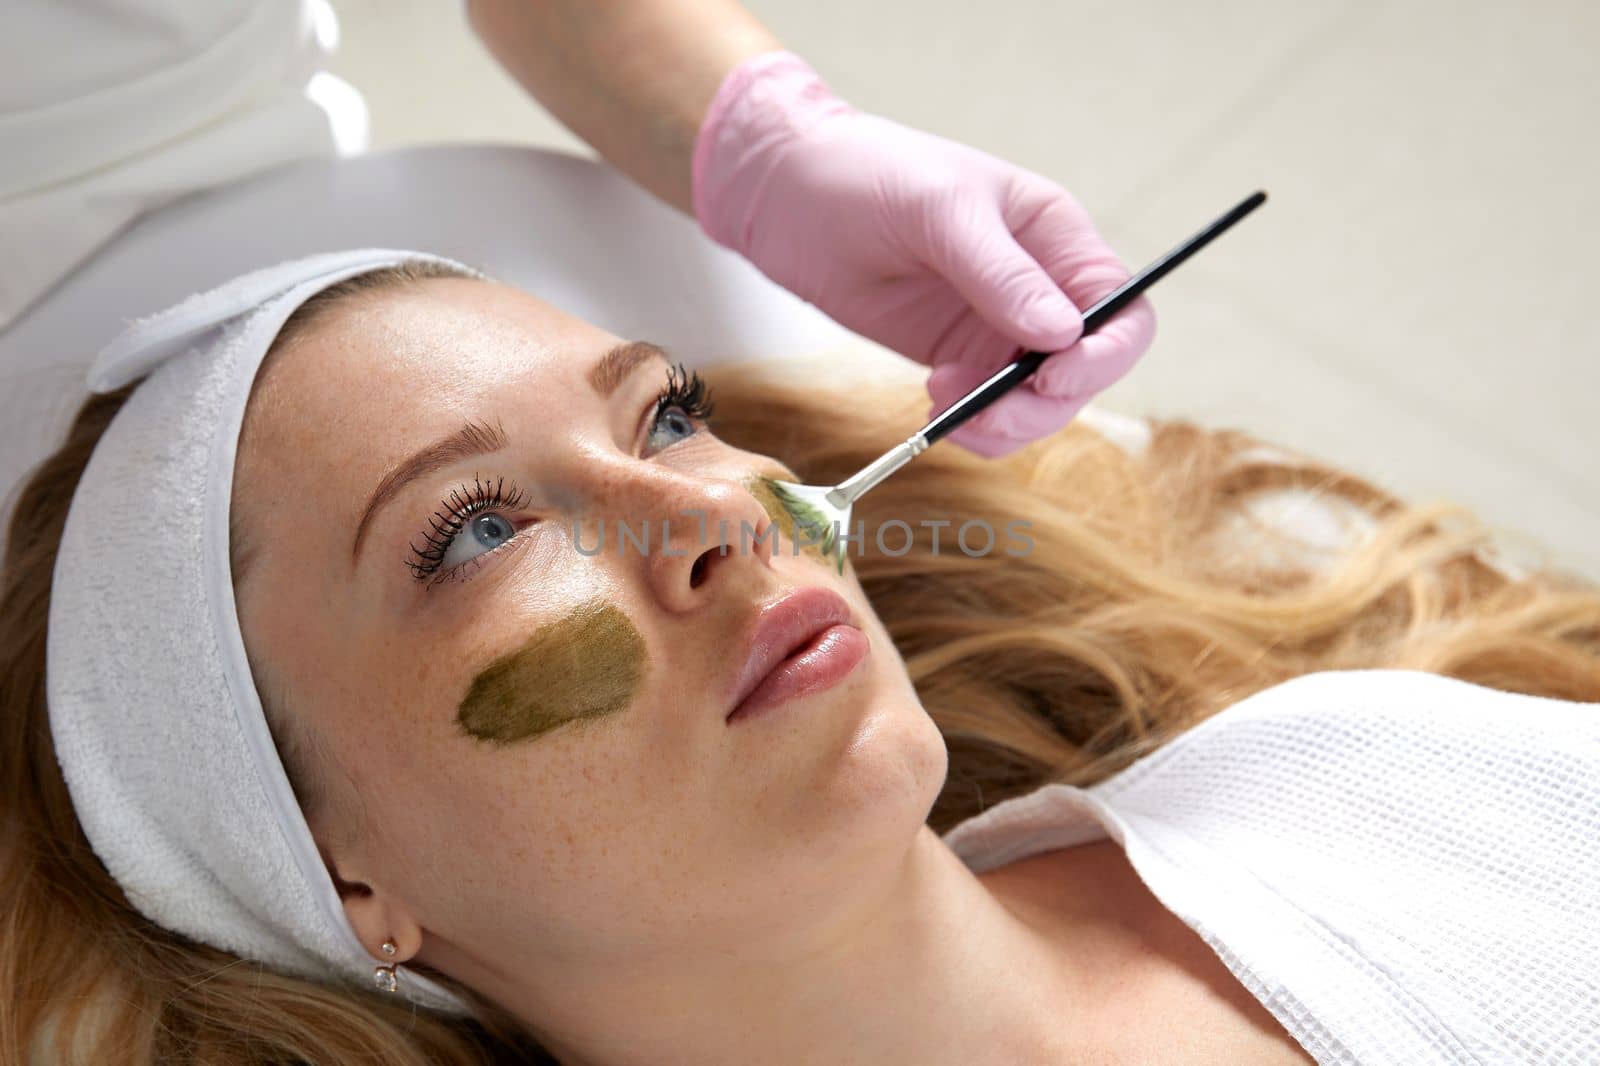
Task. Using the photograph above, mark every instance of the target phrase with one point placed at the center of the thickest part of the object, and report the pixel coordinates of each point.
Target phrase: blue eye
(487, 531)
(470, 519)
(684, 399)
(671, 425)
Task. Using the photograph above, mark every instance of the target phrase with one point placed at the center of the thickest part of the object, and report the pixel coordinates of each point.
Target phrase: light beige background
(1414, 303)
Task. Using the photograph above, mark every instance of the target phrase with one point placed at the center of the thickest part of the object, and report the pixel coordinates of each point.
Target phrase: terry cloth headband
(157, 723)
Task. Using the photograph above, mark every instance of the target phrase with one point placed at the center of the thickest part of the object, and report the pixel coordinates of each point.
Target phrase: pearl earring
(384, 976)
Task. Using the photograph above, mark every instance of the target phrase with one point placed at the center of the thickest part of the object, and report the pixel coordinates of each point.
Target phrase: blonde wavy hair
(1128, 622)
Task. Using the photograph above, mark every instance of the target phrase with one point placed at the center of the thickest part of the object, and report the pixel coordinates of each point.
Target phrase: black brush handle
(1010, 376)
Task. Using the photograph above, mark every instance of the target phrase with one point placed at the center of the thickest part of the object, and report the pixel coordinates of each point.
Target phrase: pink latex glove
(946, 254)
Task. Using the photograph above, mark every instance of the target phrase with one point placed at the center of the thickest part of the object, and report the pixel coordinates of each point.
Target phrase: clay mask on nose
(789, 532)
(581, 667)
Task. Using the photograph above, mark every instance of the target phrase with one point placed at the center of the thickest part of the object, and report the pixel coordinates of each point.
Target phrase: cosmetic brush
(823, 510)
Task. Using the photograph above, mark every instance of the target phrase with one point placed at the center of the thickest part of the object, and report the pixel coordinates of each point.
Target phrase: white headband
(156, 719)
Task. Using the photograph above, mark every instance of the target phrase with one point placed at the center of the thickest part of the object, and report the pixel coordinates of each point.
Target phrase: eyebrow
(614, 367)
(483, 439)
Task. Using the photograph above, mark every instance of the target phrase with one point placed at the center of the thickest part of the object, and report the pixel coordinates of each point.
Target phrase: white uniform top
(1402, 867)
(151, 149)
(112, 107)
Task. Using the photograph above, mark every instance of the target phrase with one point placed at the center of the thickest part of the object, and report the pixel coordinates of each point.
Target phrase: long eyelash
(687, 390)
(461, 505)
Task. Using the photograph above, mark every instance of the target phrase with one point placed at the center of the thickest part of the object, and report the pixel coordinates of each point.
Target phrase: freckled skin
(584, 666)
(631, 859)
(761, 488)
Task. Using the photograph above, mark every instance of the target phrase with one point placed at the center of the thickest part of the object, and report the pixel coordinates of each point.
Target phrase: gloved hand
(946, 254)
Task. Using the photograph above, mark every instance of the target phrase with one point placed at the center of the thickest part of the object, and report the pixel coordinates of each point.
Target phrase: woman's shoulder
(1380, 792)
(1396, 858)
(1439, 832)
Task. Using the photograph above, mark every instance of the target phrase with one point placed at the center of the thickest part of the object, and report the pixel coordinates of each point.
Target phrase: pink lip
(803, 642)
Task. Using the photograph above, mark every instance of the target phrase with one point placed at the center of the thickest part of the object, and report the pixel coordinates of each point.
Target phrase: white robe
(1403, 868)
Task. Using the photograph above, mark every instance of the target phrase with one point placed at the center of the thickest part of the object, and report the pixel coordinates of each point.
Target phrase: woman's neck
(931, 965)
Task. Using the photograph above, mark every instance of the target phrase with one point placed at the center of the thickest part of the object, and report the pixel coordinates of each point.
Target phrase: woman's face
(533, 767)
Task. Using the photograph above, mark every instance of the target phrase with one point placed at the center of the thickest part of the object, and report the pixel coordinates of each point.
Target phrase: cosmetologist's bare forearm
(633, 78)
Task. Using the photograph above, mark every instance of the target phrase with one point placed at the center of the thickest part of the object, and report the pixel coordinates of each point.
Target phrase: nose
(685, 534)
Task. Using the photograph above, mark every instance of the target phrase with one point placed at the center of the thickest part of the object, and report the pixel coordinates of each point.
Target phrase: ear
(374, 915)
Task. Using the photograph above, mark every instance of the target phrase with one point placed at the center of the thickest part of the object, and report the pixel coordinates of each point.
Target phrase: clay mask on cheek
(584, 666)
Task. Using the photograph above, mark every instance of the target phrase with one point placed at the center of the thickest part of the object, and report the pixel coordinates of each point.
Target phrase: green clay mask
(582, 667)
(797, 521)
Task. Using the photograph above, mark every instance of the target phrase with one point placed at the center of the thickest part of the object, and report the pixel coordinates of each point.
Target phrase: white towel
(157, 723)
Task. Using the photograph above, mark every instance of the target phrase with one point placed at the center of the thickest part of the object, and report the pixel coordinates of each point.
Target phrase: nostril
(697, 573)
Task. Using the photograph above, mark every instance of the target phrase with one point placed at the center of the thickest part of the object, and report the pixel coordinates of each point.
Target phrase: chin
(893, 765)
